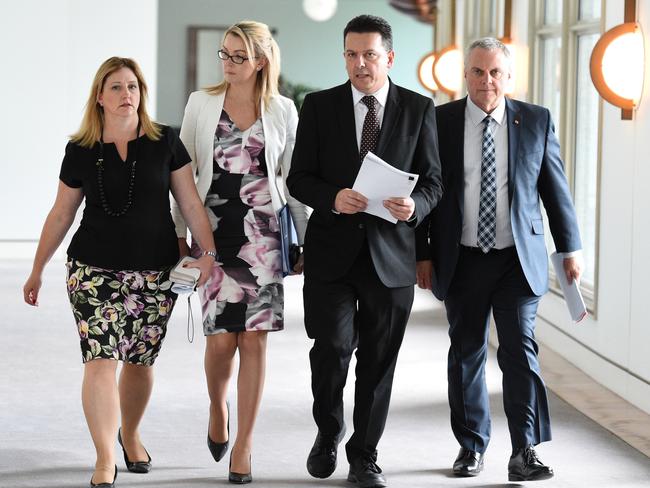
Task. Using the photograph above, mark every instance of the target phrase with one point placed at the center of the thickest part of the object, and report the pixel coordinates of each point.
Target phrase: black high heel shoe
(219, 449)
(141, 467)
(104, 485)
(240, 478)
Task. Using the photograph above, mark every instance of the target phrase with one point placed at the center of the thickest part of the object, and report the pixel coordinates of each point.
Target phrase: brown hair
(92, 123)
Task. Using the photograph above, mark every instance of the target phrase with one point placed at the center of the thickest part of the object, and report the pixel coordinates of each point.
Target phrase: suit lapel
(514, 129)
(345, 115)
(392, 113)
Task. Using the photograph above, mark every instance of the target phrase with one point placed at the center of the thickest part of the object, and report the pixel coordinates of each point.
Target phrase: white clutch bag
(184, 279)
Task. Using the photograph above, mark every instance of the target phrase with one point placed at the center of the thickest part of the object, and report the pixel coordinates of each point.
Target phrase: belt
(478, 250)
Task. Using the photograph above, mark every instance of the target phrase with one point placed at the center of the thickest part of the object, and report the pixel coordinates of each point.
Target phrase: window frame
(569, 31)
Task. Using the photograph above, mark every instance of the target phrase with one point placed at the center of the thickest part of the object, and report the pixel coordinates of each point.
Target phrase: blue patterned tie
(488, 203)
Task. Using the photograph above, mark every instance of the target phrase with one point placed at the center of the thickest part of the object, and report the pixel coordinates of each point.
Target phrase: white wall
(50, 51)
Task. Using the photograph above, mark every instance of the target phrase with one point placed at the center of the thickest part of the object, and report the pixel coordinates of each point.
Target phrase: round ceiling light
(319, 10)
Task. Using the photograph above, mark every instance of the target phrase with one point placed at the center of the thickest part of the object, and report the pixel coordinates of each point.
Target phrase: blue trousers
(484, 283)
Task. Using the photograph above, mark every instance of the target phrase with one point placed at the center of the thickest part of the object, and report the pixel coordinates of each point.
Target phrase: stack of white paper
(571, 291)
(377, 181)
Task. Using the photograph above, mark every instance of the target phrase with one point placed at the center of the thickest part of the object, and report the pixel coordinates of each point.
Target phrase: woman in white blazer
(240, 135)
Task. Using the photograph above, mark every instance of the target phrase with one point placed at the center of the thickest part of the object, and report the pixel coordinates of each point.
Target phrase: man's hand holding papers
(386, 188)
(350, 202)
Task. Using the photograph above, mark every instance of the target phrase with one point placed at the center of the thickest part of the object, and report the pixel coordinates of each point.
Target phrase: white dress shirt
(472, 154)
(360, 108)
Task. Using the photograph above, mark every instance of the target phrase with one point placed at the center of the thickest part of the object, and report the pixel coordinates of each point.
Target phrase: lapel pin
(516, 121)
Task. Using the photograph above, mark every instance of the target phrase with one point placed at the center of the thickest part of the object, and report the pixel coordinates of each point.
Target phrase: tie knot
(487, 121)
(369, 101)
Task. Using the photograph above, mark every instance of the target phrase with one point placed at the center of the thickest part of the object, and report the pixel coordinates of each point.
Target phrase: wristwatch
(210, 253)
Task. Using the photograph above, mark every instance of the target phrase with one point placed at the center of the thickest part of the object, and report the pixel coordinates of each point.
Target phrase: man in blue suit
(484, 250)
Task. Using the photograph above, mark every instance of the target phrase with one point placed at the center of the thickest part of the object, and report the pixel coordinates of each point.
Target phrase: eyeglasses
(235, 58)
(495, 73)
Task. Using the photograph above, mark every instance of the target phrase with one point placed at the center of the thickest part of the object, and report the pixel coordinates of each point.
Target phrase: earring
(259, 68)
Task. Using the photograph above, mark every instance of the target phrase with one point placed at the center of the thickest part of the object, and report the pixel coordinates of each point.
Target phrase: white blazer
(279, 121)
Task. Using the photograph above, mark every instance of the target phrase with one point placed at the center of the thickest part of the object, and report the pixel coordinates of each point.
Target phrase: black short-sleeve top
(144, 238)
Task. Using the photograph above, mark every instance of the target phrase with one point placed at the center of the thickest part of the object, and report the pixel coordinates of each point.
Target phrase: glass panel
(472, 28)
(589, 9)
(493, 18)
(586, 156)
(549, 80)
(550, 76)
(552, 12)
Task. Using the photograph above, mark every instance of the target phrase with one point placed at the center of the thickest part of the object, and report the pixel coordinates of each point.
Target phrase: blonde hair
(92, 123)
(259, 42)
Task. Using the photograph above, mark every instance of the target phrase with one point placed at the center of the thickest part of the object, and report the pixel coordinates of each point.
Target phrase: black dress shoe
(240, 478)
(524, 465)
(104, 485)
(366, 474)
(219, 449)
(141, 467)
(321, 461)
(468, 463)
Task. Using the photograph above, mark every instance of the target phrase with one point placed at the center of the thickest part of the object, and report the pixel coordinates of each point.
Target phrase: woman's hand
(31, 289)
(204, 265)
(300, 264)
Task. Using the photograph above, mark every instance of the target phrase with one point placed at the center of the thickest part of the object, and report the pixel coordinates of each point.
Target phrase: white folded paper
(184, 279)
(571, 291)
(377, 181)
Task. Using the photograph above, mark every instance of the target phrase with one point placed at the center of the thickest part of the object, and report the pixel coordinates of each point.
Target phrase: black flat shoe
(321, 462)
(240, 478)
(141, 467)
(219, 449)
(365, 473)
(468, 463)
(104, 485)
(524, 465)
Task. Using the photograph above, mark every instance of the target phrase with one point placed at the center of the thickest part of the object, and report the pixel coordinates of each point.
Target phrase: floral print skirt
(120, 315)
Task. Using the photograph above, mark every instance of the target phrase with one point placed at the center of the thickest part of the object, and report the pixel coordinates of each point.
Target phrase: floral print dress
(120, 315)
(244, 292)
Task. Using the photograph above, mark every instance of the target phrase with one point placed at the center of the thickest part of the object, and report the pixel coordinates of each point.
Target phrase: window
(482, 19)
(564, 35)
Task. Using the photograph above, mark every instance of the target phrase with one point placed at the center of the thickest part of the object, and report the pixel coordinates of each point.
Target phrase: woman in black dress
(124, 166)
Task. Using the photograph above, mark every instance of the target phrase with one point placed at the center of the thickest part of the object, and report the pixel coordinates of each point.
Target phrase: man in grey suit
(484, 250)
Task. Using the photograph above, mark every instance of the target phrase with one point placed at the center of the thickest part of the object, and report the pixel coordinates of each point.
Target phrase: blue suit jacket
(535, 171)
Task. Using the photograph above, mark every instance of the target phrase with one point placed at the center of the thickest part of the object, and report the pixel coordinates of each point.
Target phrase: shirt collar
(476, 114)
(381, 95)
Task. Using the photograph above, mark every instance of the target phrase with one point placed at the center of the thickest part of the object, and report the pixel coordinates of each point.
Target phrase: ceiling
(422, 10)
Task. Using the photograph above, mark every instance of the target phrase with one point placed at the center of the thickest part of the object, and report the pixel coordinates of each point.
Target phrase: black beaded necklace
(100, 178)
